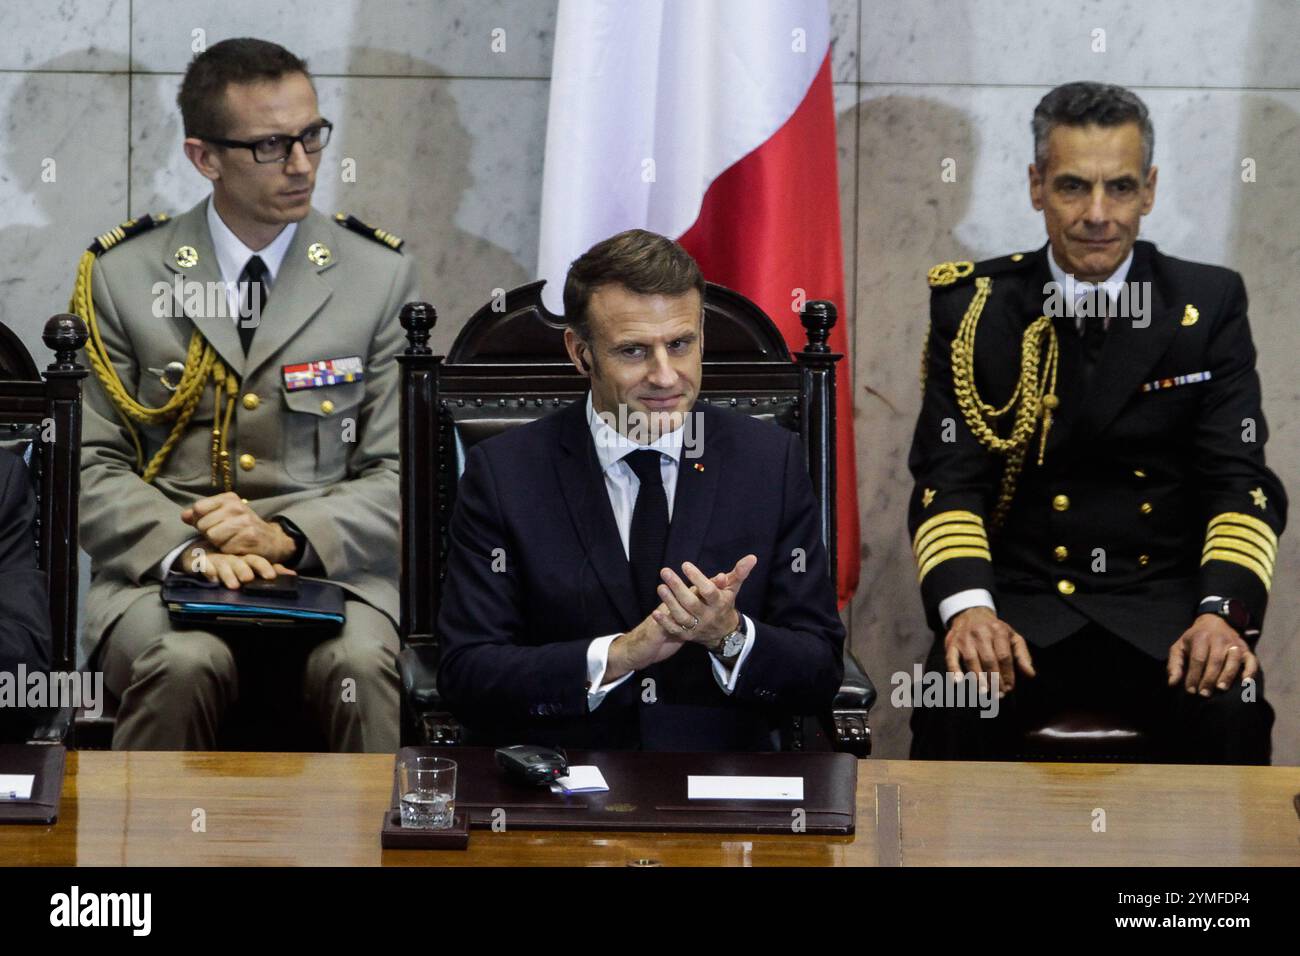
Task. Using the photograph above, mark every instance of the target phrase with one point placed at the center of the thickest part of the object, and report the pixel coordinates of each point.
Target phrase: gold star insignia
(927, 497)
(1257, 495)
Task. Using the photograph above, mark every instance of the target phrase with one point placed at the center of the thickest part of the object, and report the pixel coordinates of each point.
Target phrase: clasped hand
(238, 545)
(702, 612)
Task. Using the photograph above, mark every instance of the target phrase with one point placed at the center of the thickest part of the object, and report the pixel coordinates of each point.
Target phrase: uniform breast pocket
(320, 431)
(1166, 412)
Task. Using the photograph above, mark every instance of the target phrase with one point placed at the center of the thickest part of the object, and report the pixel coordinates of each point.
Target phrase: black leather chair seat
(1088, 735)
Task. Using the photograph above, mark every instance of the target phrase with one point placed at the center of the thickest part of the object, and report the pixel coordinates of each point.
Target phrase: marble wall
(447, 138)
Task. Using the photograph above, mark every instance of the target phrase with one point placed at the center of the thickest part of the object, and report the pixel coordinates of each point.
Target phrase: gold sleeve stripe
(1245, 521)
(1265, 543)
(1244, 534)
(949, 535)
(949, 555)
(1238, 558)
(1221, 539)
(947, 517)
(954, 541)
(947, 530)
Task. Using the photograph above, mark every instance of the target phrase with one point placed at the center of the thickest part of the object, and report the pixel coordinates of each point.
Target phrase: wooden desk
(325, 809)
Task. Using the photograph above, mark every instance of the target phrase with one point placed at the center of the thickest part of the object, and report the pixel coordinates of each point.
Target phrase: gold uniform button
(1145, 507)
(327, 407)
(251, 401)
(1060, 552)
(1065, 587)
(1061, 503)
(1144, 560)
(247, 461)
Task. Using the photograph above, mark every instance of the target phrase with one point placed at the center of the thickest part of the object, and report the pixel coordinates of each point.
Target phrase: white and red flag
(711, 121)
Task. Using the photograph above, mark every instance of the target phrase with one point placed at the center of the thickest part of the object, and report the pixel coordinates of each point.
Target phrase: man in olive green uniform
(243, 417)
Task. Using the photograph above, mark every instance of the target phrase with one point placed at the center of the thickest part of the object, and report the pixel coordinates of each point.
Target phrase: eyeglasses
(278, 148)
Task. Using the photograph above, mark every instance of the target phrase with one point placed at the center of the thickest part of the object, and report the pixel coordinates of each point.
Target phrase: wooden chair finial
(818, 318)
(64, 335)
(418, 318)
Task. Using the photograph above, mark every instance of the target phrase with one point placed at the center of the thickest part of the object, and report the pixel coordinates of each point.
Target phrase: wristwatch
(299, 540)
(1231, 610)
(731, 646)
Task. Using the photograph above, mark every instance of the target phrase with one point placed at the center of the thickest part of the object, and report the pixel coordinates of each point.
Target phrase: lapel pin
(319, 253)
(1191, 314)
(698, 466)
(186, 257)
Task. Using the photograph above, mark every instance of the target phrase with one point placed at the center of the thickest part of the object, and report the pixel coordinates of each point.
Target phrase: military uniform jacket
(1153, 491)
(326, 458)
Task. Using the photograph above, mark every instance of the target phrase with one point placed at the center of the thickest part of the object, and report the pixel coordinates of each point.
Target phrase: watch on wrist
(1231, 610)
(731, 645)
(299, 540)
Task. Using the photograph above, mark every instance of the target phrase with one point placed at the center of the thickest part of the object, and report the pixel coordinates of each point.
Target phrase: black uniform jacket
(1153, 492)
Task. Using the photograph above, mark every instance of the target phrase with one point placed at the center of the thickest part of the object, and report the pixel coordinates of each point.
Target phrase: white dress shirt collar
(613, 446)
(233, 255)
(1069, 283)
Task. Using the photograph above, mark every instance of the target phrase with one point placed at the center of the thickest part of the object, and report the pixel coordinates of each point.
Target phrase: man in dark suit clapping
(638, 569)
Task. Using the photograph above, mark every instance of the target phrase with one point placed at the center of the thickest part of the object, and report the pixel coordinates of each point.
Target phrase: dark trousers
(1096, 671)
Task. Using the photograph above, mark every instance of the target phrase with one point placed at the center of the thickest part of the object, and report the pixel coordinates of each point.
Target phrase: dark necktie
(1094, 337)
(649, 532)
(252, 281)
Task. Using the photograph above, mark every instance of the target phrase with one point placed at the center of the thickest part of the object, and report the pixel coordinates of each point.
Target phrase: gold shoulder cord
(1034, 396)
(201, 365)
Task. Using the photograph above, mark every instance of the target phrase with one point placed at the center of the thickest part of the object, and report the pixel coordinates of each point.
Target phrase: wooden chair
(41, 414)
(508, 366)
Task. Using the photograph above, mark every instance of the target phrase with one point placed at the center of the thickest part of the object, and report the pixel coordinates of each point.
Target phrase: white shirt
(1072, 287)
(954, 604)
(622, 485)
(232, 257)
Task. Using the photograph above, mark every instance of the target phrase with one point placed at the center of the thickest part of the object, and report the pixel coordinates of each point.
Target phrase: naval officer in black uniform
(1093, 519)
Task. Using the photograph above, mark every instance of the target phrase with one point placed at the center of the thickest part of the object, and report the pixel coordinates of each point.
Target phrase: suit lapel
(298, 294)
(583, 487)
(697, 485)
(1130, 353)
(217, 326)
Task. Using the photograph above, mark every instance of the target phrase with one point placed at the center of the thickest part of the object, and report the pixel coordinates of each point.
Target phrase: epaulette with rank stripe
(370, 232)
(132, 227)
(949, 273)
